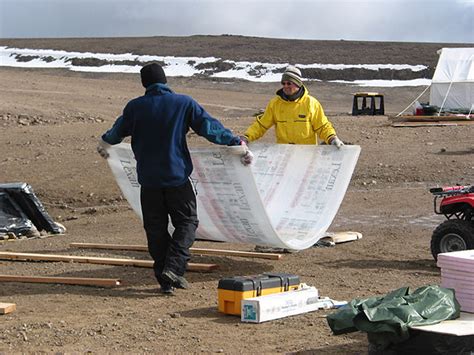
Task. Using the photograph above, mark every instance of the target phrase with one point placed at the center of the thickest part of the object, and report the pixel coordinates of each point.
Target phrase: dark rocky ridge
(265, 50)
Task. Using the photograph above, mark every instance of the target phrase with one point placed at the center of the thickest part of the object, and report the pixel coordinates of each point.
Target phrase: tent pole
(406, 108)
(469, 114)
(446, 96)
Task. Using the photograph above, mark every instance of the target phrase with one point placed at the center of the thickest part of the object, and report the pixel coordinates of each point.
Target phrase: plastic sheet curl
(287, 198)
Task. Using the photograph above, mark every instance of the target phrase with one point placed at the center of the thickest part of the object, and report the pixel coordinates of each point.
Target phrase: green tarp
(387, 319)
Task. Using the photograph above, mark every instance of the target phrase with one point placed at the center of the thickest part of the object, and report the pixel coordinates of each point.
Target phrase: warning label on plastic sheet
(287, 198)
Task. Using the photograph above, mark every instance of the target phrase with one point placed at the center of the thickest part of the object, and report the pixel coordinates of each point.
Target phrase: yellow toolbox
(232, 290)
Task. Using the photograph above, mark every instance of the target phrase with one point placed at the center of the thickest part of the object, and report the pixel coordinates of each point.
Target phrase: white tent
(452, 87)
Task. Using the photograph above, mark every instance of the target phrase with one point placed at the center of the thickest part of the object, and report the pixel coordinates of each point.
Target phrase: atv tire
(452, 235)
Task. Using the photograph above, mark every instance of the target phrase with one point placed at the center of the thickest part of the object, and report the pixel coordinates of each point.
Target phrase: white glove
(102, 148)
(337, 142)
(247, 157)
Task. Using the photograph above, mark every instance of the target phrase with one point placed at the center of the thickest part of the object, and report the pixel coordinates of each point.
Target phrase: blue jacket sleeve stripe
(215, 132)
(210, 128)
(115, 134)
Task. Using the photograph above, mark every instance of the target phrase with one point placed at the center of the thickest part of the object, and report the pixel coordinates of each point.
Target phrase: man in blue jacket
(158, 123)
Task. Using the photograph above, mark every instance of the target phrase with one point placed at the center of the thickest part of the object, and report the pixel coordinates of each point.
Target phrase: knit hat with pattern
(292, 74)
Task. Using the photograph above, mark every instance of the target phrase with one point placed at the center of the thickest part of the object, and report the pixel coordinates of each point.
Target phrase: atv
(456, 203)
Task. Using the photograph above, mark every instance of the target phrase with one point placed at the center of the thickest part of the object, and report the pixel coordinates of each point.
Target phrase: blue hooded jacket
(158, 123)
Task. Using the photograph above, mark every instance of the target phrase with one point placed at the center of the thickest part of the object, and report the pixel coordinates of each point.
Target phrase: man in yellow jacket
(298, 117)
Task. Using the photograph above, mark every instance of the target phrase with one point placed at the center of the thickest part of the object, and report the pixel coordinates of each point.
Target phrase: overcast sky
(449, 21)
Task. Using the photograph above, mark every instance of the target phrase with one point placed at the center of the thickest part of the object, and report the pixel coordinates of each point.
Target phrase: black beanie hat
(151, 74)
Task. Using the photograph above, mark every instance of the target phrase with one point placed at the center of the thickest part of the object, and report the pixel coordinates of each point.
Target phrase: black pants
(179, 203)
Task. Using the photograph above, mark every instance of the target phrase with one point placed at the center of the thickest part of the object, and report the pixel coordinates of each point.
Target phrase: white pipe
(414, 100)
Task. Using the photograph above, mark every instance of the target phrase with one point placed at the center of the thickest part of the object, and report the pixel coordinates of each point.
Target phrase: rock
(23, 334)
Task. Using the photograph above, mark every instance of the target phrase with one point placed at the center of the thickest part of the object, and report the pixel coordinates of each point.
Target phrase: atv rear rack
(452, 190)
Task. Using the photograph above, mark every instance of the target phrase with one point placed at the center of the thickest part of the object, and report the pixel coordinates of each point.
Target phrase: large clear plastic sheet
(287, 198)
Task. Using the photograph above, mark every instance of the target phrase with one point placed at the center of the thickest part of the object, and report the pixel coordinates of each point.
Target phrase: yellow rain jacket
(296, 122)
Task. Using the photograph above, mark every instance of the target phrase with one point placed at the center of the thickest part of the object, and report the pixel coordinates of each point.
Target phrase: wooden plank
(244, 254)
(62, 280)
(431, 124)
(98, 260)
(198, 251)
(129, 247)
(343, 237)
(7, 308)
(432, 118)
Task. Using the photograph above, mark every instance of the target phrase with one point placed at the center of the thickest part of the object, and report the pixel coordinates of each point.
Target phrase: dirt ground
(50, 122)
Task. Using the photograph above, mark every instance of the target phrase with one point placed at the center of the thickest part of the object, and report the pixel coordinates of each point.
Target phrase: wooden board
(7, 308)
(239, 253)
(97, 260)
(432, 124)
(196, 251)
(462, 326)
(417, 118)
(62, 280)
(343, 237)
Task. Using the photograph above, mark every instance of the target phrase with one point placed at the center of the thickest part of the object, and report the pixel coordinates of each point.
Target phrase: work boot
(167, 289)
(175, 280)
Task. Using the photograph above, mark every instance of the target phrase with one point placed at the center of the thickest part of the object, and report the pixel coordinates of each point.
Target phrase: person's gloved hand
(102, 148)
(247, 157)
(337, 142)
(245, 139)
